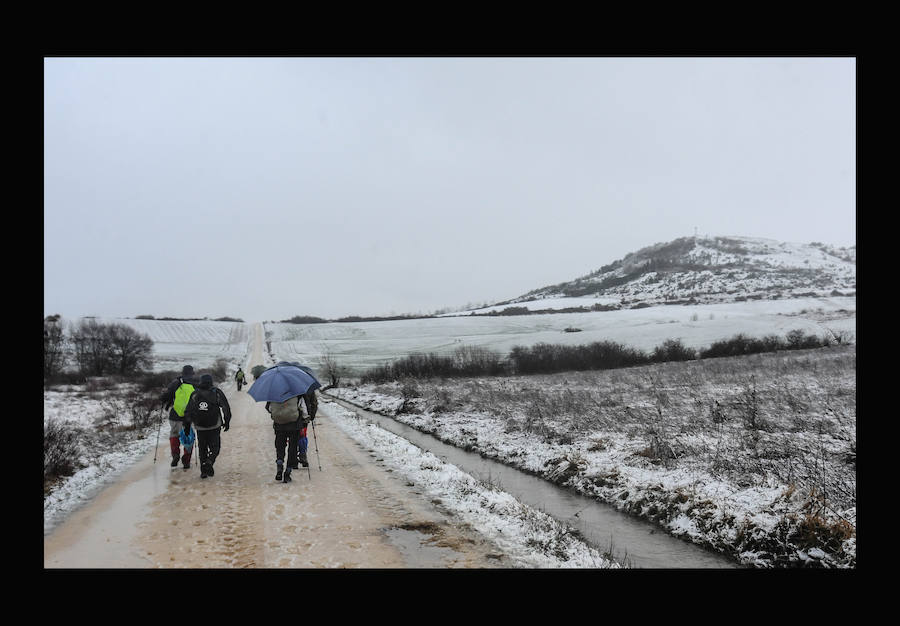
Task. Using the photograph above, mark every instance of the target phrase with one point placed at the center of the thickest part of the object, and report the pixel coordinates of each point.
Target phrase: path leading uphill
(352, 514)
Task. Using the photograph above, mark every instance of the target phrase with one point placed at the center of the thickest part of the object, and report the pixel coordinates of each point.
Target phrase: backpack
(284, 412)
(207, 409)
(182, 395)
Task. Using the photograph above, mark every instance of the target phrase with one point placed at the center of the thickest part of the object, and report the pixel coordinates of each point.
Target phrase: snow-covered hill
(710, 270)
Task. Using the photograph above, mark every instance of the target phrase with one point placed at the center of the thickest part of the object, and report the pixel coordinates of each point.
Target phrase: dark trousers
(209, 443)
(287, 438)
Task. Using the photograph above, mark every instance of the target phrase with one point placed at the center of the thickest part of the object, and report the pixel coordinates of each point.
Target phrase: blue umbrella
(297, 364)
(281, 382)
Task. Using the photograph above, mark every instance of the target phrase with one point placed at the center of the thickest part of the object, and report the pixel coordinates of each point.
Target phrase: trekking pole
(308, 472)
(161, 415)
(316, 440)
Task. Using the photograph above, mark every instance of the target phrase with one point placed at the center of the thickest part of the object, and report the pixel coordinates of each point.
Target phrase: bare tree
(54, 346)
(130, 351)
(89, 347)
(101, 349)
(331, 367)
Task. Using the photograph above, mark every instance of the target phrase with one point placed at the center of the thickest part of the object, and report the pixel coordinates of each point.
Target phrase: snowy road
(352, 514)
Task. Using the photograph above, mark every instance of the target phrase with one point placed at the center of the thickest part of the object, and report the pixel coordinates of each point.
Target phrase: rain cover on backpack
(182, 395)
(285, 412)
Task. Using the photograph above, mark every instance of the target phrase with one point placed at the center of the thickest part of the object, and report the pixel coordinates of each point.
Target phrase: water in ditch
(638, 543)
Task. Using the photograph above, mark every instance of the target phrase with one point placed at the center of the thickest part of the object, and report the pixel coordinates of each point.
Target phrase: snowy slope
(360, 345)
(706, 270)
(198, 342)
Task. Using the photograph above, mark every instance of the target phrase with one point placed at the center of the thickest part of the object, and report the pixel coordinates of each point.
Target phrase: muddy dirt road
(351, 514)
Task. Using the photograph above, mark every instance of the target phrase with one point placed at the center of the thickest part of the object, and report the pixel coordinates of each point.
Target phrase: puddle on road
(416, 544)
(100, 534)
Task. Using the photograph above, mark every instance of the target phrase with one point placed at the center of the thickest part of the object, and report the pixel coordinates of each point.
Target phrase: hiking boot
(203, 473)
(209, 469)
(174, 461)
(303, 461)
(287, 475)
(278, 473)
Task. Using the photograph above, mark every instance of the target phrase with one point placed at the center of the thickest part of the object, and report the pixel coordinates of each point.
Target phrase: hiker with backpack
(239, 378)
(209, 412)
(287, 422)
(175, 398)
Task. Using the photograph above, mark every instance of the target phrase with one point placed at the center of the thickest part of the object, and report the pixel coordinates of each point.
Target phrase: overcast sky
(263, 188)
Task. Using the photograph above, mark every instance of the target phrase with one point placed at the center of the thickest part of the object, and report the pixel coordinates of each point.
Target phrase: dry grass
(780, 419)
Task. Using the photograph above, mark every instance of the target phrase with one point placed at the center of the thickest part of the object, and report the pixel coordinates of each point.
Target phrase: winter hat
(205, 381)
(187, 370)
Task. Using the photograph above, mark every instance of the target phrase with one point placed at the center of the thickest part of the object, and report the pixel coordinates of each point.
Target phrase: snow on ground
(724, 482)
(103, 454)
(356, 346)
(606, 465)
(543, 303)
(738, 268)
(529, 537)
(198, 342)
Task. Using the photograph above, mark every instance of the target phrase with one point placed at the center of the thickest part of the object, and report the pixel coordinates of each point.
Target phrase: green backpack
(182, 395)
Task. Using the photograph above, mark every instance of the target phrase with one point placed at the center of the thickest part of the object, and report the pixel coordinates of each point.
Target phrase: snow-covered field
(753, 456)
(198, 342)
(356, 346)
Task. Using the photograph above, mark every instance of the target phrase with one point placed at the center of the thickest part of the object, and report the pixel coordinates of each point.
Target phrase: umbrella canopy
(297, 364)
(281, 382)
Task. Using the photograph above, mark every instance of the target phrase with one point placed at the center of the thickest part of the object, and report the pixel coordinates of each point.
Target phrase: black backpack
(207, 411)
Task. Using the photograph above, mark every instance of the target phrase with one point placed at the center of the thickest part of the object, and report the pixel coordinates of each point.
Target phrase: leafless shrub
(333, 370)
(748, 406)
(219, 370)
(142, 410)
(717, 413)
(97, 385)
(440, 401)
(128, 410)
(409, 392)
(110, 416)
(61, 450)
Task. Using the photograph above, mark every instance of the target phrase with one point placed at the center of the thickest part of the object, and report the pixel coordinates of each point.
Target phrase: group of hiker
(196, 406)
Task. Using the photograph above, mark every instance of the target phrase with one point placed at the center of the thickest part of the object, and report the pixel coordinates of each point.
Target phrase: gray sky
(264, 188)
